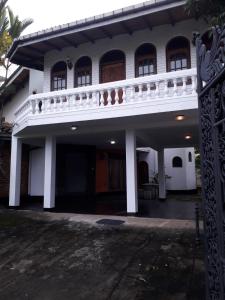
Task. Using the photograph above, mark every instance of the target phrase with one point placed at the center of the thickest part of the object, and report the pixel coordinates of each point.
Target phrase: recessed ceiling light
(74, 127)
(187, 137)
(180, 118)
(112, 142)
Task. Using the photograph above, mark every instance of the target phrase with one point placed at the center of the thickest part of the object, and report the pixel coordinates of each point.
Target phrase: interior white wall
(159, 36)
(36, 172)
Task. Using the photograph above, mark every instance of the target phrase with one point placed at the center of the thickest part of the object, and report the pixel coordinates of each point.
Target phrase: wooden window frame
(178, 52)
(142, 57)
(57, 73)
(84, 69)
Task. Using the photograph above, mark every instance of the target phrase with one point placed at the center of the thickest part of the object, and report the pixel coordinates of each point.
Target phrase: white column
(50, 169)
(161, 172)
(131, 172)
(15, 171)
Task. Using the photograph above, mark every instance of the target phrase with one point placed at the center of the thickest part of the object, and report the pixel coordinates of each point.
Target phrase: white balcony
(138, 96)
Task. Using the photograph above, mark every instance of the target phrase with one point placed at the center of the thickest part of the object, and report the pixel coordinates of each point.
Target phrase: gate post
(211, 95)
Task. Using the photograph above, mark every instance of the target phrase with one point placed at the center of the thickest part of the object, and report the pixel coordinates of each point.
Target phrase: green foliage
(11, 27)
(16, 27)
(212, 11)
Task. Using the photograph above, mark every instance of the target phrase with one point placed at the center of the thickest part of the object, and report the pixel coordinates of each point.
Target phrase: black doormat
(110, 222)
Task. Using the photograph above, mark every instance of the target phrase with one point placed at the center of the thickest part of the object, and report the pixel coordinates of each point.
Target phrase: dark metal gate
(211, 89)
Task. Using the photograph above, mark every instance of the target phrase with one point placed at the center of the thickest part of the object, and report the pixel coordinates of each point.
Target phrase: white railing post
(124, 94)
(116, 96)
(101, 97)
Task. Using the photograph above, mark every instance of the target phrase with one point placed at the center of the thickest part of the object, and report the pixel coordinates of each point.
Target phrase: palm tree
(16, 27)
(4, 22)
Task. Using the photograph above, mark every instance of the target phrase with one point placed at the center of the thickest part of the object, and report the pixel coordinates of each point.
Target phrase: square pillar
(131, 172)
(15, 172)
(162, 175)
(50, 169)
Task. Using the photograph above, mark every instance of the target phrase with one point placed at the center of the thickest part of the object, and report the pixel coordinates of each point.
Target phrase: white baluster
(156, 89)
(43, 107)
(140, 93)
(81, 99)
(194, 86)
(94, 99)
(36, 107)
(109, 97)
(68, 101)
(124, 94)
(73, 102)
(148, 91)
(62, 102)
(31, 109)
(184, 87)
(55, 103)
(88, 99)
(131, 93)
(116, 96)
(166, 90)
(101, 98)
(175, 87)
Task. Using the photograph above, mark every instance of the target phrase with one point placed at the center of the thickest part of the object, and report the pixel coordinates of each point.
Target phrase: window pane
(172, 65)
(146, 69)
(140, 71)
(184, 63)
(178, 64)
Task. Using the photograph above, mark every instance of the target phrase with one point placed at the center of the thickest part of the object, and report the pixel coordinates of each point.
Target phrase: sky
(48, 13)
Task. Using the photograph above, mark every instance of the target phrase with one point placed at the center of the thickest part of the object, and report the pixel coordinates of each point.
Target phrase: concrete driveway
(47, 257)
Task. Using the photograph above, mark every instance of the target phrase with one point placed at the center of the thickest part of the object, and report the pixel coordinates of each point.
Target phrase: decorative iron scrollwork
(211, 71)
(211, 61)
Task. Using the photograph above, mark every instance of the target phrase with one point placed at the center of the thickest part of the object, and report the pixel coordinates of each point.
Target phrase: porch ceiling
(155, 131)
(29, 50)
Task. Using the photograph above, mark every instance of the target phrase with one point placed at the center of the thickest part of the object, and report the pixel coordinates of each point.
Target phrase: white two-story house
(112, 84)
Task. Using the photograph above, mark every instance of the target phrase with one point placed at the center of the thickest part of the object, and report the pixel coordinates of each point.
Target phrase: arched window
(59, 76)
(145, 60)
(83, 72)
(178, 54)
(189, 157)
(112, 66)
(177, 162)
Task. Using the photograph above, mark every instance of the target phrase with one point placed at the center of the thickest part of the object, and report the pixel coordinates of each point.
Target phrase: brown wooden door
(110, 73)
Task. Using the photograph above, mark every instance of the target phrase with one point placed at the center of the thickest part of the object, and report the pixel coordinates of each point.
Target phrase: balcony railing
(120, 93)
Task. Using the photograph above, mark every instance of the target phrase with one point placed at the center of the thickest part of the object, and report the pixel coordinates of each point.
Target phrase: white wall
(159, 36)
(36, 172)
(16, 100)
(36, 81)
(181, 178)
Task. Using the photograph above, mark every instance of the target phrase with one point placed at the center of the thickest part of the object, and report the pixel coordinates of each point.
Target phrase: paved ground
(176, 206)
(53, 256)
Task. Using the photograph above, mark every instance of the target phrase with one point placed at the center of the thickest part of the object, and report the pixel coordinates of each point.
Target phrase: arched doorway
(113, 68)
(143, 174)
